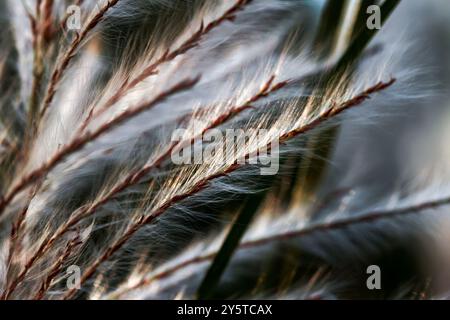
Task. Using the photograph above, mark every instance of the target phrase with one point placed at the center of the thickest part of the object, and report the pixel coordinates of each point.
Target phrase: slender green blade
(238, 229)
(313, 168)
(329, 28)
(361, 17)
(366, 35)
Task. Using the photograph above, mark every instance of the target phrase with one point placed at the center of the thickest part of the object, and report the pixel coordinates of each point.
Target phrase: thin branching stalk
(68, 55)
(14, 237)
(57, 267)
(38, 66)
(47, 21)
(212, 277)
(193, 41)
(313, 167)
(63, 23)
(79, 142)
(145, 220)
(204, 183)
(166, 273)
(152, 69)
(85, 142)
(285, 236)
(135, 177)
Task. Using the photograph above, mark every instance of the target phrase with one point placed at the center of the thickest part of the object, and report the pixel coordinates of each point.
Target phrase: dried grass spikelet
(94, 184)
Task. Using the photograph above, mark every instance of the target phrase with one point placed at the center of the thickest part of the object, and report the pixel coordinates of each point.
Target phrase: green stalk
(329, 28)
(237, 231)
(313, 167)
(361, 16)
(361, 41)
(212, 278)
(326, 41)
(309, 168)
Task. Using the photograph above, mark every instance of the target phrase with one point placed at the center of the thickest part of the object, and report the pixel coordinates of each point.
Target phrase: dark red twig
(204, 183)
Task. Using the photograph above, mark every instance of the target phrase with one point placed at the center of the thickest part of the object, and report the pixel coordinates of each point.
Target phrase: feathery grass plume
(92, 119)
